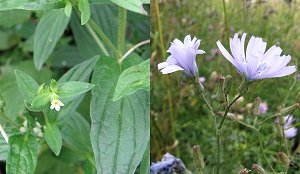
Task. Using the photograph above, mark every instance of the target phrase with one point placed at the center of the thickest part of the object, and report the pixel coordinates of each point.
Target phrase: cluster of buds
(37, 130)
(55, 101)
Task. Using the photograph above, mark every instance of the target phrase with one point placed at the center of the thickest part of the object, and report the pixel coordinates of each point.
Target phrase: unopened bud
(284, 158)
(256, 106)
(198, 158)
(290, 109)
(53, 86)
(244, 171)
(23, 130)
(258, 169)
(221, 94)
(227, 84)
(230, 116)
(212, 80)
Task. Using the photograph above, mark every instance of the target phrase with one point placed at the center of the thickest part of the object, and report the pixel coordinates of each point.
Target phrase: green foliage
(133, 5)
(53, 138)
(22, 156)
(28, 87)
(84, 8)
(39, 102)
(132, 79)
(73, 88)
(31, 5)
(120, 131)
(47, 34)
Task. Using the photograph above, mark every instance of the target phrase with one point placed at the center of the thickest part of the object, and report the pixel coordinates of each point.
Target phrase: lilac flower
(168, 165)
(290, 132)
(183, 57)
(263, 107)
(256, 63)
(202, 79)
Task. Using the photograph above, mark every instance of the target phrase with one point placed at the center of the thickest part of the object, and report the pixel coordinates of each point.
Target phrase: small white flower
(25, 123)
(36, 130)
(23, 130)
(56, 104)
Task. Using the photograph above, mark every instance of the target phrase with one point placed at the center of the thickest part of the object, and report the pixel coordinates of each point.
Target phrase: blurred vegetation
(179, 118)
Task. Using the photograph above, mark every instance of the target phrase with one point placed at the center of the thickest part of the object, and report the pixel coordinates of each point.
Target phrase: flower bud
(284, 158)
(258, 169)
(23, 130)
(289, 110)
(227, 84)
(53, 86)
(198, 158)
(256, 106)
(212, 80)
(244, 171)
(221, 95)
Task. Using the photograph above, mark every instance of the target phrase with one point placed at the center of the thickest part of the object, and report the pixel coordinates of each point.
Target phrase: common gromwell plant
(74, 86)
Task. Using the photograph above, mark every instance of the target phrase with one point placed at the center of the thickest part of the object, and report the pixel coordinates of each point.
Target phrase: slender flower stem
(122, 28)
(4, 134)
(97, 40)
(200, 88)
(225, 19)
(172, 118)
(227, 110)
(133, 48)
(285, 144)
(159, 29)
(103, 37)
(262, 150)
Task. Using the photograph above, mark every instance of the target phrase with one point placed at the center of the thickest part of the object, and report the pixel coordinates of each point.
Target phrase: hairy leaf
(47, 34)
(73, 88)
(28, 87)
(22, 156)
(53, 138)
(132, 79)
(120, 129)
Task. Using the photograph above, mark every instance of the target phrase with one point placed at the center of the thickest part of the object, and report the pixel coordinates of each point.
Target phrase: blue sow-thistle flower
(256, 63)
(183, 57)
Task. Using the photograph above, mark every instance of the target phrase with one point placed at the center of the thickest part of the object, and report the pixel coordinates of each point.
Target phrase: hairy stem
(122, 28)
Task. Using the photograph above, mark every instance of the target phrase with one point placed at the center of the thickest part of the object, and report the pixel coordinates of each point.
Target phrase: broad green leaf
(145, 164)
(4, 149)
(49, 30)
(28, 87)
(66, 56)
(40, 101)
(132, 5)
(31, 5)
(74, 126)
(22, 156)
(132, 79)
(53, 138)
(120, 130)
(84, 8)
(73, 88)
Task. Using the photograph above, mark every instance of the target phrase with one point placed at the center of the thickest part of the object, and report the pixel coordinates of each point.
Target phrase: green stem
(104, 37)
(122, 29)
(262, 151)
(6, 118)
(200, 88)
(225, 19)
(159, 29)
(97, 40)
(46, 119)
(227, 110)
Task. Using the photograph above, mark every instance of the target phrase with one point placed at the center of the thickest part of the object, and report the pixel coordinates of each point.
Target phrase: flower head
(256, 63)
(168, 164)
(289, 131)
(263, 107)
(56, 104)
(183, 57)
